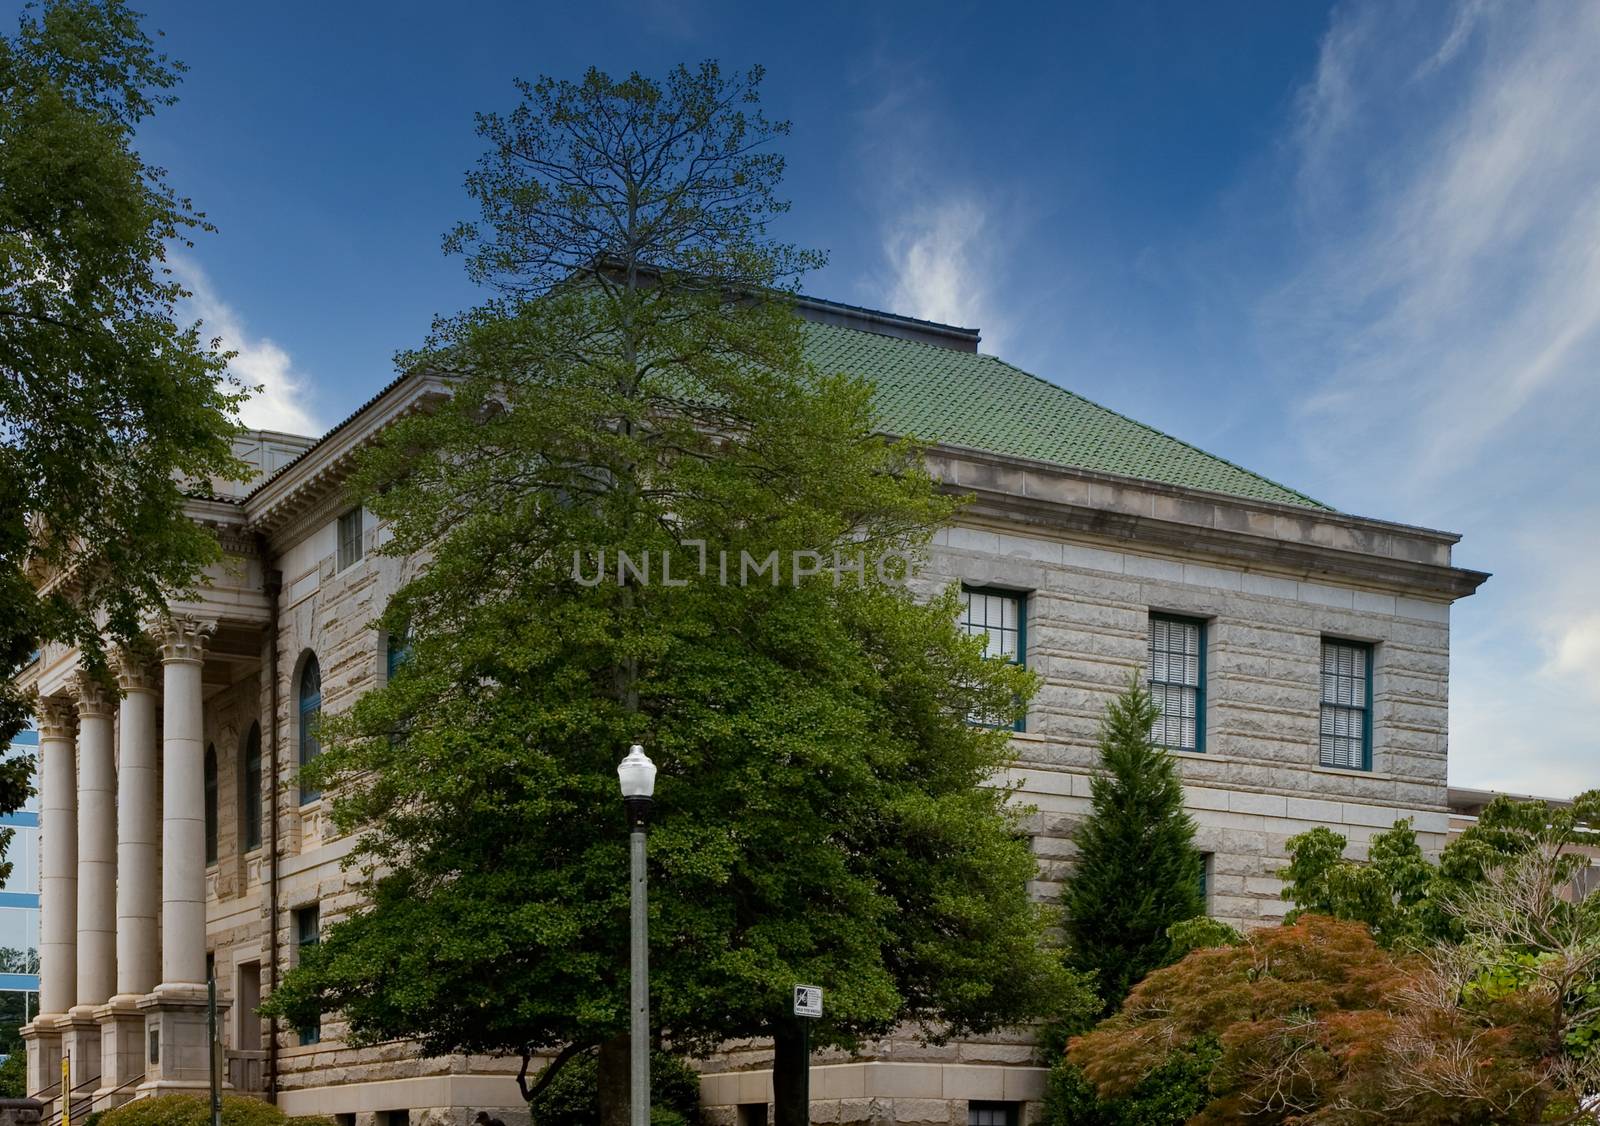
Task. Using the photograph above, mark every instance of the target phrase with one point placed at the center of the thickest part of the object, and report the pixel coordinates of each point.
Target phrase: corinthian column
(122, 1025)
(97, 882)
(175, 1013)
(183, 809)
(138, 832)
(58, 866)
(58, 891)
(97, 847)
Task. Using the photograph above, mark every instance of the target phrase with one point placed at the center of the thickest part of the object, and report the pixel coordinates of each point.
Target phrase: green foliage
(677, 175)
(1200, 933)
(14, 1074)
(573, 1096)
(195, 1110)
(1137, 871)
(1392, 892)
(1307, 878)
(1168, 1096)
(105, 401)
(823, 811)
(1406, 899)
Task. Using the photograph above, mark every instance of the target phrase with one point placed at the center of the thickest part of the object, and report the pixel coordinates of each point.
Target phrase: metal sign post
(807, 1007)
(211, 1043)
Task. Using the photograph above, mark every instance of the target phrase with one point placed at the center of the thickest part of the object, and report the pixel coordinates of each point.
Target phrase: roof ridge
(902, 318)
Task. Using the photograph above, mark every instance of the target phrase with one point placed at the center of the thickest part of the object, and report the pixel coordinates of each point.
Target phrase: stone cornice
(1291, 538)
(226, 519)
(1281, 537)
(315, 474)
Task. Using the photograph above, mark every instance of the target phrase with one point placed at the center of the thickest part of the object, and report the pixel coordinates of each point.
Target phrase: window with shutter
(1177, 682)
(1346, 735)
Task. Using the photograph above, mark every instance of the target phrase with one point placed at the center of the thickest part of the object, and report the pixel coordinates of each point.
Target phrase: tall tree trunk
(790, 1061)
(613, 1080)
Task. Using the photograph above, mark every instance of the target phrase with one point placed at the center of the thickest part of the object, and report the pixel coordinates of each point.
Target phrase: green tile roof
(965, 399)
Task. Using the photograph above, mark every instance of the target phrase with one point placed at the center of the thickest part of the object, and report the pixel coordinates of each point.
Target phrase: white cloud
(945, 238)
(1445, 333)
(1459, 272)
(280, 401)
(940, 262)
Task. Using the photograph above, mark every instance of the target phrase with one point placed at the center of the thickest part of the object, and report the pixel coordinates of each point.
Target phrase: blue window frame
(310, 712)
(308, 933)
(250, 788)
(397, 647)
(1000, 616)
(1178, 682)
(1345, 739)
(211, 803)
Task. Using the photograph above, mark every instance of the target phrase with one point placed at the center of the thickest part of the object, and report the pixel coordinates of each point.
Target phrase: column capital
(133, 670)
(184, 639)
(57, 716)
(93, 700)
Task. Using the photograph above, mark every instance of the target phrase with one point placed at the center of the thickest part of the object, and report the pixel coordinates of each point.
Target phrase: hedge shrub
(195, 1110)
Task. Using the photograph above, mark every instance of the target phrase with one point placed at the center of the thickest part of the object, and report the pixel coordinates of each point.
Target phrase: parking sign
(808, 1000)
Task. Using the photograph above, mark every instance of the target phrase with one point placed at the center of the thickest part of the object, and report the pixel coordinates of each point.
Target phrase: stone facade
(1090, 557)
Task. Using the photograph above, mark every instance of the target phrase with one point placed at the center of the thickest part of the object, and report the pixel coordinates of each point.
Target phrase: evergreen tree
(1137, 871)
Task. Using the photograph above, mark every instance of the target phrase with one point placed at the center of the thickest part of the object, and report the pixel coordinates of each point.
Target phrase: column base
(122, 1050)
(80, 1039)
(177, 1042)
(43, 1039)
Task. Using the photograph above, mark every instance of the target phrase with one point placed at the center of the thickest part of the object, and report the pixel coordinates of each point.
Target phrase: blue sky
(1353, 246)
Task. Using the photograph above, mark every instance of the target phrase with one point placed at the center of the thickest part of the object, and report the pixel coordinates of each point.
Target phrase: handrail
(55, 1119)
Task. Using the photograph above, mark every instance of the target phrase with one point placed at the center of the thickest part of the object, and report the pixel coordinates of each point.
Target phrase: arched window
(250, 789)
(211, 804)
(310, 712)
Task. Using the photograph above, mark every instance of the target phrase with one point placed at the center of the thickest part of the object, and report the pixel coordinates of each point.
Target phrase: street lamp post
(637, 775)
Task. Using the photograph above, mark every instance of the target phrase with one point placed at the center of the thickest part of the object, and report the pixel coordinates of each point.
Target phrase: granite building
(1301, 656)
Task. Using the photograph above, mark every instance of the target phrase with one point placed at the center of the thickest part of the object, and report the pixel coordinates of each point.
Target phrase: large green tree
(825, 812)
(107, 402)
(1136, 871)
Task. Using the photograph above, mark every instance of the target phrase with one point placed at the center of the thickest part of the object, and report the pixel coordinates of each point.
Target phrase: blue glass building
(19, 907)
